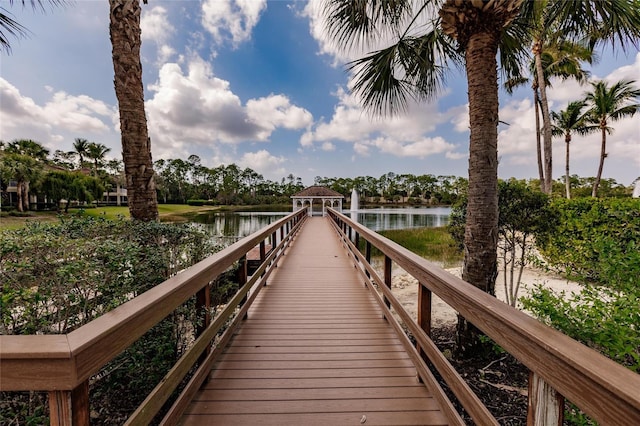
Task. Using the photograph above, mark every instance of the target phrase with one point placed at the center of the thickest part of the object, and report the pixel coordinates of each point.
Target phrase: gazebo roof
(317, 191)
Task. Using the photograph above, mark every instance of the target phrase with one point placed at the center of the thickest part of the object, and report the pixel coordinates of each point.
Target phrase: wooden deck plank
(351, 418)
(293, 394)
(315, 349)
(313, 406)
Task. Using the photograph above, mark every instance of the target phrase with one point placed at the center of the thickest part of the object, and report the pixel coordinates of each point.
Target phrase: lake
(232, 226)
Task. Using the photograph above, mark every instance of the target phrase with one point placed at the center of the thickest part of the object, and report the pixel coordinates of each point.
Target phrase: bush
(594, 239)
(596, 243)
(196, 202)
(55, 278)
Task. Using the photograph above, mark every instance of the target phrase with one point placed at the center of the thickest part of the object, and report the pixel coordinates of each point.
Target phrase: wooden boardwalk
(315, 349)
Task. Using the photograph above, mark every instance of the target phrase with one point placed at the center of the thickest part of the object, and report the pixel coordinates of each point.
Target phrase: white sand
(405, 288)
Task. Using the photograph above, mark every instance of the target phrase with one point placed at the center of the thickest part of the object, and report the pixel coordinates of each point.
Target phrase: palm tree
(97, 152)
(124, 29)
(615, 21)
(23, 160)
(606, 104)
(469, 33)
(81, 148)
(560, 59)
(565, 123)
(10, 27)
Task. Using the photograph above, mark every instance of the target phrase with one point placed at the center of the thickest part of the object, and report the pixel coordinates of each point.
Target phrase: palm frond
(376, 82)
(355, 22)
(414, 67)
(9, 27)
(612, 21)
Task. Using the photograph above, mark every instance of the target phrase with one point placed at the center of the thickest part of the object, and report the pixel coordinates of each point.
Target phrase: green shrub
(596, 240)
(55, 278)
(196, 202)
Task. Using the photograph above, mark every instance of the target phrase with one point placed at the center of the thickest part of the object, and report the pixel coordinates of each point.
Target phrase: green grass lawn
(434, 244)
(167, 212)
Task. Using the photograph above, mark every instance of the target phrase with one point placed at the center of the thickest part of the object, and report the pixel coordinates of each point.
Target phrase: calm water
(232, 226)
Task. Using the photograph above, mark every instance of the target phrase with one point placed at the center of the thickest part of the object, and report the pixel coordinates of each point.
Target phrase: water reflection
(383, 219)
(228, 227)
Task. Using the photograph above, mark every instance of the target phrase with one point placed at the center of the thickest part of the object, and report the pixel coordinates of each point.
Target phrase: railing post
(546, 405)
(387, 277)
(357, 240)
(70, 408)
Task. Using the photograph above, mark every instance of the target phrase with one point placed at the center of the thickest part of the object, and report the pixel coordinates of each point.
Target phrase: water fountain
(355, 200)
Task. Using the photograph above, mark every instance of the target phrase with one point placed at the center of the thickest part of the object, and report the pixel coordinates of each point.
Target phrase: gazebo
(326, 196)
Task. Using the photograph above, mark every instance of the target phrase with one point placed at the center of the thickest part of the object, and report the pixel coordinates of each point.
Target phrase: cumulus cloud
(402, 135)
(199, 108)
(276, 111)
(155, 25)
(231, 19)
(264, 163)
(63, 113)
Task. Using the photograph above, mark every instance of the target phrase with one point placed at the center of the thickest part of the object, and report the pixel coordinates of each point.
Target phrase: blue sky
(257, 83)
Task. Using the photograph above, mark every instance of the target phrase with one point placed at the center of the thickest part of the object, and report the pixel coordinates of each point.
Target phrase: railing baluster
(367, 255)
(424, 315)
(203, 306)
(387, 277)
(70, 408)
(242, 278)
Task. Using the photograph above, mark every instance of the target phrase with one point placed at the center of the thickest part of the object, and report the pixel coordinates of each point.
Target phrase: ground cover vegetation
(57, 277)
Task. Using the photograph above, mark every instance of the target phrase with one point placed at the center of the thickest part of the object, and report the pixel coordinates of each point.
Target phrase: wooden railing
(560, 366)
(63, 364)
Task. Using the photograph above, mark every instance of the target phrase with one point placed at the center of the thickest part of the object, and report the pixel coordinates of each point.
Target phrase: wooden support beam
(70, 408)
(546, 405)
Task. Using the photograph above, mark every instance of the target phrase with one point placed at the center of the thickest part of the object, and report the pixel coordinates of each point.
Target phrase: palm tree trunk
(19, 203)
(124, 28)
(567, 182)
(536, 101)
(603, 155)
(546, 119)
(481, 230)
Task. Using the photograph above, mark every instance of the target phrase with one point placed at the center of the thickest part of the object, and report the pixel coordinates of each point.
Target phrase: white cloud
(402, 135)
(276, 111)
(264, 163)
(63, 113)
(328, 146)
(420, 148)
(155, 25)
(199, 108)
(235, 18)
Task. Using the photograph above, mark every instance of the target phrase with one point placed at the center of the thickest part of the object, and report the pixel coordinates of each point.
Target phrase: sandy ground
(405, 288)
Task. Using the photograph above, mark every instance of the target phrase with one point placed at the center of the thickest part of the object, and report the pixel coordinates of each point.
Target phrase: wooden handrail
(66, 362)
(603, 389)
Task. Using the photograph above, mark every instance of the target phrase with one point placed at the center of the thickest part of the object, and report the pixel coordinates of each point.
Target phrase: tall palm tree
(124, 29)
(425, 46)
(10, 27)
(560, 59)
(81, 148)
(565, 123)
(614, 21)
(606, 104)
(97, 152)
